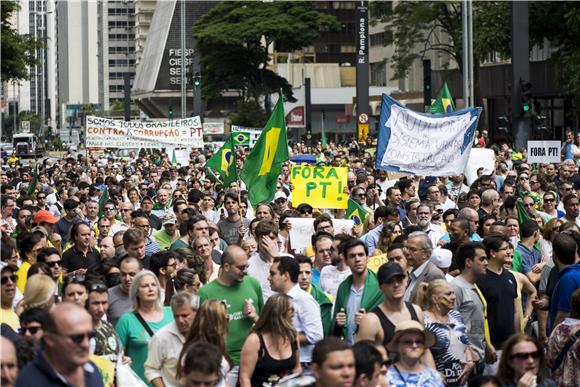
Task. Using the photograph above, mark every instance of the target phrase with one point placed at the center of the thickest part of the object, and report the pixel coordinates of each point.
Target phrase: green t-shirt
(179, 244)
(135, 338)
(163, 239)
(234, 297)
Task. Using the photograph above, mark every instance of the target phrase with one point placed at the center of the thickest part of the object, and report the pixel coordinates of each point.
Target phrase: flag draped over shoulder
(355, 212)
(443, 102)
(424, 144)
(264, 163)
(224, 162)
(33, 183)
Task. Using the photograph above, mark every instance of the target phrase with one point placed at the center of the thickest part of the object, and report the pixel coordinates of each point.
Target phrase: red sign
(296, 117)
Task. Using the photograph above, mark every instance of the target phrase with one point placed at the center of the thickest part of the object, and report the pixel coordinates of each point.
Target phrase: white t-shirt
(331, 278)
(260, 270)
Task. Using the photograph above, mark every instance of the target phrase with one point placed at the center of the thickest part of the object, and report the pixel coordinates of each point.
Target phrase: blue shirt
(372, 239)
(352, 308)
(428, 377)
(560, 301)
(530, 257)
(315, 276)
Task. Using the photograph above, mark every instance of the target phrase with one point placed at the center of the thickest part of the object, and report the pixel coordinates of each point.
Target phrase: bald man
(8, 363)
(67, 332)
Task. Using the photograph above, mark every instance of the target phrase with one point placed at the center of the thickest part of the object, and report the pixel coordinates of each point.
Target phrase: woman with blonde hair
(452, 351)
(39, 292)
(136, 327)
(271, 351)
(210, 326)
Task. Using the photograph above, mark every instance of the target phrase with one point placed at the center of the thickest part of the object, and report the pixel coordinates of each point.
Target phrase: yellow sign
(363, 132)
(377, 261)
(321, 187)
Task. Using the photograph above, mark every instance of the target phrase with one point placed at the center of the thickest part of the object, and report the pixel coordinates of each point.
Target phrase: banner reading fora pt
(108, 133)
(424, 144)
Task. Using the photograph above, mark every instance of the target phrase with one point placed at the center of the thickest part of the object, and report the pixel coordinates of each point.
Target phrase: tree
(233, 39)
(18, 51)
(249, 114)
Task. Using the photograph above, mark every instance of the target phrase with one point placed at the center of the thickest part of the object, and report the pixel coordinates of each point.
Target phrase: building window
(347, 49)
(343, 5)
(381, 38)
(379, 74)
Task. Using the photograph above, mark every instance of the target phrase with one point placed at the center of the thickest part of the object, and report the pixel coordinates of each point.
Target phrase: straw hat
(410, 326)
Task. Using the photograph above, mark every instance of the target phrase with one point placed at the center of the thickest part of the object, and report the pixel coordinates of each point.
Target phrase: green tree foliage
(233, 39)
(249, 114)
(18, 51)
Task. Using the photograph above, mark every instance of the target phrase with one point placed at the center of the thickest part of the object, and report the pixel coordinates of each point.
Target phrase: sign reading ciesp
(108, 133)
(321, 187)
(544, 151)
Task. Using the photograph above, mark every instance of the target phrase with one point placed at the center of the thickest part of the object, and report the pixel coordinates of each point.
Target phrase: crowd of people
(137, 272)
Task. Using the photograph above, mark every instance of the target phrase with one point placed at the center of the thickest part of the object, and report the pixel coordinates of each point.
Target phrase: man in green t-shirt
(242, 296)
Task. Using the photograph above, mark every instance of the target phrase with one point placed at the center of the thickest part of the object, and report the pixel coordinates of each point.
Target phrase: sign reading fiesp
(108, 133)
(321, 187)
(544, 151)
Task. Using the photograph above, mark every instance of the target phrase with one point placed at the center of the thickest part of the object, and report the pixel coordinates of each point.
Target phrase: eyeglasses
(567, 189)
(40, 197)
(79, 338)
(54, 263)
(410, 343)
(32, 330)
(526, 355)
(13, 278)
(524, 178)
(109, 209)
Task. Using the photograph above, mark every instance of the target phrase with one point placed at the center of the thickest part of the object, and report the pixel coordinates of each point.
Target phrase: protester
(333, 363)
(8, 363)
(202, 366)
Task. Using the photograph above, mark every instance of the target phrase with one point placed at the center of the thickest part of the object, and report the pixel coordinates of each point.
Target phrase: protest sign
(544, 151)
(377, 261)
(424, 144)
(479, 158)
(108, 133)
(321, 187)
(302, 229)
(245, 136)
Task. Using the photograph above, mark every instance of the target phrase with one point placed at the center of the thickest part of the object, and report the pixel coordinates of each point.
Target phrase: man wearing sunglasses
(65, 354)
(32, 322)
(8, 283)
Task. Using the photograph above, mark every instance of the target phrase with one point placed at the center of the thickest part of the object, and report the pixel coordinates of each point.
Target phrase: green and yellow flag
(102, 200)
(355, 212)
(241, 138)
(443, 102)
(264, 163)
(224, 162)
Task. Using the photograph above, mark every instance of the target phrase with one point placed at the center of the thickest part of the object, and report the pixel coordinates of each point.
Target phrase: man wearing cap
(281, 199)
(168, 234)
(378, 326)
(442, 259)
(46, 220)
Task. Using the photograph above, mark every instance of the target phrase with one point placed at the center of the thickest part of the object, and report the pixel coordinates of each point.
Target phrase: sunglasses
(109, 209)
(549, 200)
(79, 338)
(13, 278)
(40, 197)
(54, 263)
(526, 355)
(98, 288)
(410, 343)
(32, 330)
(126, 210)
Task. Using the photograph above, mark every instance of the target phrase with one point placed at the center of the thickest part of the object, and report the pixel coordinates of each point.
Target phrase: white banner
(213, 127)
(424, 144)
(544, 151)
(302, 229)
(108, 133)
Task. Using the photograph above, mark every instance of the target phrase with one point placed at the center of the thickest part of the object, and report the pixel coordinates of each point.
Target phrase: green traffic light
(197, 83)
(526, 108)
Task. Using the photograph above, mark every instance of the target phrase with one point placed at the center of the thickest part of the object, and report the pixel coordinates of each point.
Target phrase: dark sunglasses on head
(54, 263)
(32, 330)
(13, 278)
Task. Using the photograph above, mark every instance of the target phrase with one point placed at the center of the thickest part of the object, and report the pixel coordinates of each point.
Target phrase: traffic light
(197, 80)
(540, 123)
(503, 123)
(170, 113)
(526, 96)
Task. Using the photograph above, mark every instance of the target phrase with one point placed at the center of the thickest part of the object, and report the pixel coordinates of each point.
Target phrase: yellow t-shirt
(8, 316)
(22, 274)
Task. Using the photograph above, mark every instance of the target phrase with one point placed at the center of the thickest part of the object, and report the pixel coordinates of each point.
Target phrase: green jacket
(372, 296)
(325, 303)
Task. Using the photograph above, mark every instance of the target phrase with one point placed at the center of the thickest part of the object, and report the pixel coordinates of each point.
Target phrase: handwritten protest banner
(321, 187)
(302, 229)
(424, 144)
(108, 133)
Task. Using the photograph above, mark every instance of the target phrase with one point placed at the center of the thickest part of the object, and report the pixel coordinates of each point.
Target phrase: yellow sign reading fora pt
(321, 187)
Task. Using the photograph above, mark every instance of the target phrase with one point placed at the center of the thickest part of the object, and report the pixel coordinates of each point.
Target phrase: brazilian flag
(224, 162)
(443, 102)
(355, 212)
(241, 138)
(34, 182)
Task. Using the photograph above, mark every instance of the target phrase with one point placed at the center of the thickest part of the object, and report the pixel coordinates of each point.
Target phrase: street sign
(544, 151)
(25, 126)
(363, 118)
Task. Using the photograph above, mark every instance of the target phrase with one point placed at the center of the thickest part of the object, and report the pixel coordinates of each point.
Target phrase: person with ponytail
(454, 357)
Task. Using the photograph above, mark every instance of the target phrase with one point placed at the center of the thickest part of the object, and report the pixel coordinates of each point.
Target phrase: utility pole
(521, 121)
(183, 60)
(468, 84)
(362, 70)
